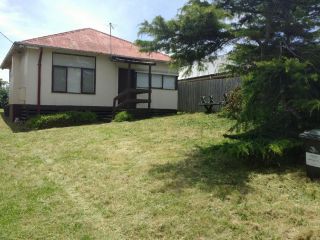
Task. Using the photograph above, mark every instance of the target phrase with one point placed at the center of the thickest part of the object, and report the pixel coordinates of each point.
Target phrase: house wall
(32, 76)
(160, 99)
(24, 82)
(17, 79)
(106, 83)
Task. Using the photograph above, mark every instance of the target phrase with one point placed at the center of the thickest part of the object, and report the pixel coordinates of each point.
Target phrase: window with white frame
(142, 80)
(73, 74)
(169, 82)
(158, 81)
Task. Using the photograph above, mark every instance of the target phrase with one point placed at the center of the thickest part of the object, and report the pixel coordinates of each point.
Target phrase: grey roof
(211, 68)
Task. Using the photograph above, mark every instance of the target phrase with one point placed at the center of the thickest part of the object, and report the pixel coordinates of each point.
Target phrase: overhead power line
(6, 37)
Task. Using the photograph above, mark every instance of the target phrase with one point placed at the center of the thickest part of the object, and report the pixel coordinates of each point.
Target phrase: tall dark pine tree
(275, 50)
(194, 35)
(266, 29)
(259, 30)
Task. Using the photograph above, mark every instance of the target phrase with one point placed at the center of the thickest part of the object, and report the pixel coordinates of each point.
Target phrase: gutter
(39, 81)
(16, 46)
(208, 77)
(89, 53)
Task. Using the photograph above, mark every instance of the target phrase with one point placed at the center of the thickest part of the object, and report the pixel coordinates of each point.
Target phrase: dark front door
(127, 80)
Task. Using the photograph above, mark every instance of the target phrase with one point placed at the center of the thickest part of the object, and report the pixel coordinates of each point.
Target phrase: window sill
(167, 89)
(75, 93)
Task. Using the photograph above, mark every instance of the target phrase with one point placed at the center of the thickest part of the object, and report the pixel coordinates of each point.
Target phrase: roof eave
(208, 76)
(90, 52)
(6, 63)
(7, 59)
(132, 61)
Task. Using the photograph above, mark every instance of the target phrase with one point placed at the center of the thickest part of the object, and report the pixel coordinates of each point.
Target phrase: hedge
(62, 119)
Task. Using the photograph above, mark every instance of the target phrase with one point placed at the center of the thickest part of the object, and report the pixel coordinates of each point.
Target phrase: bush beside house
(61, 120)
(4, 94)
(123, 116)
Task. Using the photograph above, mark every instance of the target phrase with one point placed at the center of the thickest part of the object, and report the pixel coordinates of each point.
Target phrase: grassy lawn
(156, 178)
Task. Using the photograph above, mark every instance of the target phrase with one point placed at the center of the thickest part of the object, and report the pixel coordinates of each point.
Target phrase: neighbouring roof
(91, 41)
(210, 68)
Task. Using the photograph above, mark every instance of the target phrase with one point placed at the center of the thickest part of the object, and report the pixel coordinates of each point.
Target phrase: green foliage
(61, 120)
(276, 52)
(261, 149)
(258, 30)
(281, 96)
(123, 116)
(267, 29)
(2, 83)
(4, 97)
(4, 93)
(233, 106)
(196, 32)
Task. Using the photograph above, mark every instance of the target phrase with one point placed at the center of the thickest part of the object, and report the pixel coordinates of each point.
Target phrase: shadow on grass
(210, 170)
(15, 127)
(20, 127)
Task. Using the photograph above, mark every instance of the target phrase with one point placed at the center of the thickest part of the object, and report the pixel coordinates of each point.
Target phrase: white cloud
(66, 14)
(15, 22)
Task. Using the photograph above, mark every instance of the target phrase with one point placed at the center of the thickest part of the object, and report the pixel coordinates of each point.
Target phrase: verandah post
(149, 86)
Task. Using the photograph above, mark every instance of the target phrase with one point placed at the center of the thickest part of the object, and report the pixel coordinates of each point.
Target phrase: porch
(127, 85)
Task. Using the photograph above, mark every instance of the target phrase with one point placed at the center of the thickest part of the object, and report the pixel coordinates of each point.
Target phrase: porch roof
(132, 61)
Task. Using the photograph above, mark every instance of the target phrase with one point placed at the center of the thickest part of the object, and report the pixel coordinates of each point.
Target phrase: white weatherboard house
(88, 70)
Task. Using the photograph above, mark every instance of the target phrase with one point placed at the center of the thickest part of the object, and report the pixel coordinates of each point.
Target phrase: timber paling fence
(191, 90)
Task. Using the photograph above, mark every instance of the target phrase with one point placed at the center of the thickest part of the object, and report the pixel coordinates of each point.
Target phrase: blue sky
(23, 19)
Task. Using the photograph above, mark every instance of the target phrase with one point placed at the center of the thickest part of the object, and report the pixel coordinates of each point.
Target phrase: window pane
(59, 79)
(169, 82)
(74, 80)
(156, 81)
(88, 81)
(73, 61)
(142, 80)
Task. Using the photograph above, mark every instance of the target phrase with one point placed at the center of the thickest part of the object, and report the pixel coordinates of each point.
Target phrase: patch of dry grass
(156, 178)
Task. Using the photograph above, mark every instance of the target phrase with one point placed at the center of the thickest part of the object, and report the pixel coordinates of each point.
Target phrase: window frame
(175, 82)
(162, 77)
(81, 69)
(94, 80)
(161, 81)
(66, 85)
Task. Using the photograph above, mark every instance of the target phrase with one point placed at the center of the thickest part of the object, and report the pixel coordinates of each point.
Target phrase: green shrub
(280, 99)
(123, 116)
(4, 97)
(63, 119)
(283, 95)
(233, 106)
(262, 149)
